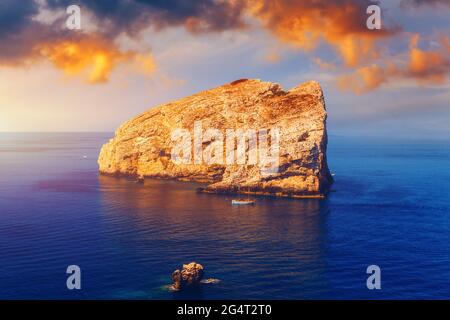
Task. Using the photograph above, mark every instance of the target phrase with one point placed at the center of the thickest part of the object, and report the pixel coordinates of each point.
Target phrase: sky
(131, 55)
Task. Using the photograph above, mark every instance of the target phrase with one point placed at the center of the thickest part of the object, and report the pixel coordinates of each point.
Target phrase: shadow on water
(256, 251)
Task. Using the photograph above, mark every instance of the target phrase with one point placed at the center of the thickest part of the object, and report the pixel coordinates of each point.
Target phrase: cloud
(340, 23)
(94, 57)
(363, 80)
(426, 67)
(14, 15)
(417, 3)
(132, 16)
(304, 24)
(429, 67)
(95, 52)
(272, 57)
(324, 64)
(19, 33)
(26, 39)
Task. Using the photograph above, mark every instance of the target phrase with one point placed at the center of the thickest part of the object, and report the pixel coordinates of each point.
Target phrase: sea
(389, 207)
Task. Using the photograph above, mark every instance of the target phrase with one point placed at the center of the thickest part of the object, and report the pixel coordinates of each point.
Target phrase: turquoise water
(390, 206)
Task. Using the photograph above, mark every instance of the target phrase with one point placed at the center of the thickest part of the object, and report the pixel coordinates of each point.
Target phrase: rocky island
(247, 136)
(190, 275)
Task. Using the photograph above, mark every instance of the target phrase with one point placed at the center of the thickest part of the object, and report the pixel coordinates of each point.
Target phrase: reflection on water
(277, 241)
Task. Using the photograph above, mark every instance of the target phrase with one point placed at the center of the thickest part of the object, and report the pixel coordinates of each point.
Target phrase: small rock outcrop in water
(143, 146)
(189, 276)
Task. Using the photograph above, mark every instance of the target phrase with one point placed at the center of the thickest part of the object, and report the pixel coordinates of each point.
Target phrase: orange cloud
(272, 57)
(304, 24)
(426, 67)
(323, 64)
(362, 80)
(446, 43)
(92, 58)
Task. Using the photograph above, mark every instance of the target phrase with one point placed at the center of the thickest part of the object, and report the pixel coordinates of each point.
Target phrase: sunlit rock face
(247, 136)
(189, 276)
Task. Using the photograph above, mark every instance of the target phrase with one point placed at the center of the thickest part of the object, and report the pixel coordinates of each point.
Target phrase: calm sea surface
(390, 206)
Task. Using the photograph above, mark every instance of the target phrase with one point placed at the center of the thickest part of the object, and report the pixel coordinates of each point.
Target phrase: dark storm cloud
(18, 31)
(132, 16)
(29, 33)
(14, 14)
(21, 33)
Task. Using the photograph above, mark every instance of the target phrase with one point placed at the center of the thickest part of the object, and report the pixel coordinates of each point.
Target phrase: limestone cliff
(196, 139)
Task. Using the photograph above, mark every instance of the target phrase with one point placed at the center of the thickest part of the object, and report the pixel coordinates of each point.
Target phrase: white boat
(242, 202)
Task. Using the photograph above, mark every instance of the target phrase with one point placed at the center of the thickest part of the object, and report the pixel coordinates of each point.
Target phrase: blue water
(390, 206)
